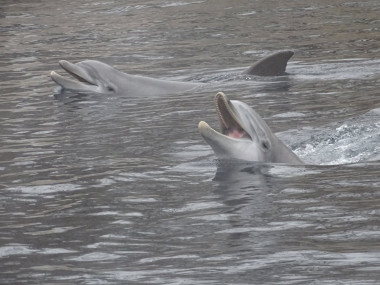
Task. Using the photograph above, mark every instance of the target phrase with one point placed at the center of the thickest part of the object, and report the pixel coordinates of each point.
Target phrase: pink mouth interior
(236, 133)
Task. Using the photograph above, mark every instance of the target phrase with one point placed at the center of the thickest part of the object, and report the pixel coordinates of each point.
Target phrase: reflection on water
(116, 190)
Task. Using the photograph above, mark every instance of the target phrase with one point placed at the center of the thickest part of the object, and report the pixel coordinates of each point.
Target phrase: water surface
(117, 190)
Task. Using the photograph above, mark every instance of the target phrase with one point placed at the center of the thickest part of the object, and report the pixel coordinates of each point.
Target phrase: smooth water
(117, 190)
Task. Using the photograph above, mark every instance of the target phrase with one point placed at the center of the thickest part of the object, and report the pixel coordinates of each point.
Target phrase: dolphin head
(91, 77)
(244, 134)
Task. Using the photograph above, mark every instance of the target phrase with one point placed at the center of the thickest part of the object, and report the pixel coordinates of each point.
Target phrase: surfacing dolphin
(244, 135)
(97, 77)
(93, 76)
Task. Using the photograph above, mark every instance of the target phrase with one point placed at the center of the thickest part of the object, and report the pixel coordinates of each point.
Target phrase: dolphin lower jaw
(226, 146)
(69, 84)
(208, 132)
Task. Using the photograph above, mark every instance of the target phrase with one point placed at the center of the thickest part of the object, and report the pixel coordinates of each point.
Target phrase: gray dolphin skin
(92, 76)
(244, 135)
(272, 65)
(97, 77)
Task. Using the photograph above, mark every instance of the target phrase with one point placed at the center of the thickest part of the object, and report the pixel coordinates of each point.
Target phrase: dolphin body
(93, 76)
(244, 135)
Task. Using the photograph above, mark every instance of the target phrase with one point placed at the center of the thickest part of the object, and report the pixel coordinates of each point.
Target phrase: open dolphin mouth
(229, 123)
(79, 73)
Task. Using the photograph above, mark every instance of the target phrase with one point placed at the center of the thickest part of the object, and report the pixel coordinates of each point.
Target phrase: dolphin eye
(110, 88)
(265, 145)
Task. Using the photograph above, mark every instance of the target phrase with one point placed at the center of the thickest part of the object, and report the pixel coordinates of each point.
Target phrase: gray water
(117, 190)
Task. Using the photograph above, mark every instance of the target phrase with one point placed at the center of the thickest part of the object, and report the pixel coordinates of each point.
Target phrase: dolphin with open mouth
(92, 76)
(244, 135)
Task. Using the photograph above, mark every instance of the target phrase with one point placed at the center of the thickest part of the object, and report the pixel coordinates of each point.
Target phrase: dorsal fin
(272, 65)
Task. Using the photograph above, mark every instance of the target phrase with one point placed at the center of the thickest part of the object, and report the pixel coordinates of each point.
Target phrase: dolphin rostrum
(92, 76)
(244, 135)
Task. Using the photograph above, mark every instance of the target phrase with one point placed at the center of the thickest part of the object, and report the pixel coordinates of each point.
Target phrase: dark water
(116, 190)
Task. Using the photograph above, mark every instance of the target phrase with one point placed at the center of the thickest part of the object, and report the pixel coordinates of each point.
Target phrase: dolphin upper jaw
(78, 72)
(230, 124)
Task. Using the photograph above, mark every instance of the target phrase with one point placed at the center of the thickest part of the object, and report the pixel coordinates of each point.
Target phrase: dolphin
(97, 77)
(244, 135)
(93, 76)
